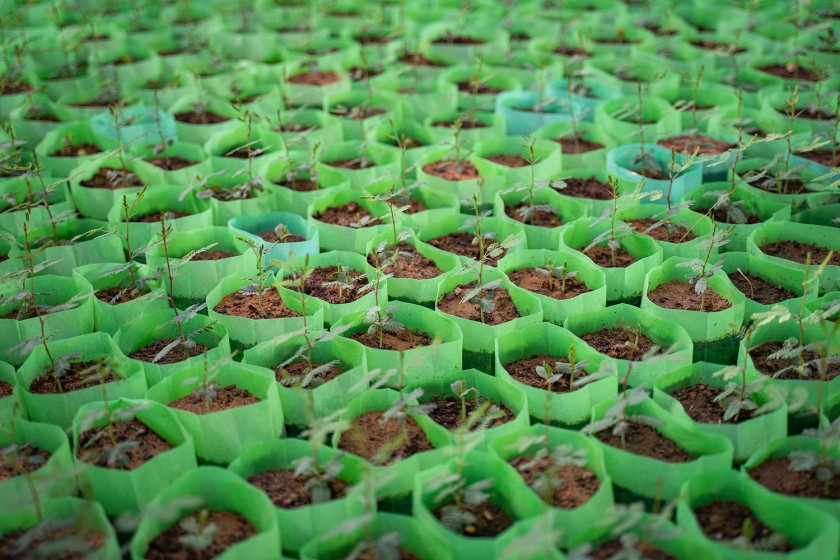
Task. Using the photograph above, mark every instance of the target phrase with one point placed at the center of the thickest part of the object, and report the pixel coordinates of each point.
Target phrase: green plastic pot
(666, 121)
(311, 95)
(220, 145)
(701, 326)
(319, 127)
(820, 236)
(422, 99)
(185, 150)
(747, 436)
(51, 479)
(201, 133)
(547, 157)
(539, 237)
(494, 178)
(814, 533)
(218, 490)
(394, 110)
(384, 162)
(492, 79)
(81, 133)
(9, 405)
(724, 123)
(61, 408)
(334, 237)
(437, 205)
(328, 181)
(568, 409)
(325, 399)
(135, 335)
(452, 224)
(556, 310)
(494, 41)
(653, 478)
(221, 436)
(249, 226)
(52, 291)
(698, 224)
(120, 491)
(96, 203)
(518, 108)
(620, 163)
(245, 332)
(305, 523)
(622, 283)
(414, 130)
(421, 363)
(495, 126)
(594, 159)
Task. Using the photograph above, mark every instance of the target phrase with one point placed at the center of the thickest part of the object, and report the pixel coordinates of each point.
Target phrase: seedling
(259, 282)
(16, 455)
(617, 418)
(207, 384)
(527, 211)
(241, 191)
(460, 389)
(116, 454)
(701, 271)
(378, 318)
(387, 252)
(483, 294)
(648, 164)
(561, 273)
(613, 235)
(254, 182)
(667, 218)
(301, 168)
(457, 153)
(343, 280)
(199, 532)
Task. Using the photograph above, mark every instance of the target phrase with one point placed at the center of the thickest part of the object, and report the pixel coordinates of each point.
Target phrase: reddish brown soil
(365, 111)
(148, 352)
(790, 71)
(216, 255)
(6, 389)
(504, 311)
(645, 440)
(108, 294)
(617, 40)
(688, 144)
(240, 305)
(822, 157)
(101, 180)
(529, 279)
(776, 475)
(618, 343)
(758, 290)
(403, 555)
(808, 113)
(525, 371)
(368, 434)
(37, 114)
(460, 243)
(80, 376)
(355, 163)
(798, 252)
(171, 163)
(569, 50)
(787, 186)
(271, 237)
(607, 550)
(582, 146)
(300, 185)
(491, 520)
(482, 89)
(759, 355)
(578, 484)
(296, 370)
(590, 188)
(225, 399)
(403, 340)
(602, 256)
(155, 217)
(314, 285)
(539, 218)
(286, 490)
(447, 412)
(681, 235)
(448, 170)
(657, 30)
(315, 78)
(724, 520)
(94, 445)
(416, 59)
(18, 545)
(681, 295)
(206, 117)
(232, 528)
(76, 150)
(458, 40)
(698, 402)
(466, 124)
(417, 268)
(708, 44)
(344, 215)
(508, 160)
(20, 467)
(720, 215)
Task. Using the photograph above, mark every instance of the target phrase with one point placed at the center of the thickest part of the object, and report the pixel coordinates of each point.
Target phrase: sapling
(254, 182)
(617, 417)
(53, 220)
(378, 318)
(575, 86)
(303, 170)
(573, 368)
(615, 233)
(321, 473)
(483, 294)
(649, 166)
(342, 279)
(20, 455)
(551, 271)
(207, 384)
(529, 205)
(199, 532)
(241, 191)
(165, 141)
(115, 454)
(259, 282)
(457, 155)
(388, 252)
(701, 270)
(667, 218)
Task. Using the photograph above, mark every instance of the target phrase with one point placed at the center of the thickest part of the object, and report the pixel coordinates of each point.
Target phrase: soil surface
(94, 445)
(569, 50)
(225, 399)
(720, 215)
(539, 218)
(155, 217)
(13, 546)
(403, 340)
(76, 150)
(171, 163)
(461, 243)
(148, 352)
(355, 163)
(286, 490)
(417, 59)
(724, 520)
(368, 434)
(775, 475)
(590, 188)
(458, 40)
(6, 389)
(315, 78)
(569, 146)
(602, 256)
(706, 144)
(300, 185)
(645, 440)
(101, 180)
(271, 237)
(618, 343)
(822, 157)
(508, 160)
(482, 89)
(708, 44)
(606, 550)
(490, 520)
(232, 528)
(108, 294)
(504, 311)
(216, 255)
(345, 215)
(762, 363)
(81, 375)
(24, 467)
(758, 290)
(525, 371)
(798, 252)
(578, 484)
(681, 295)
(403, 555)
(447, 412)
(788, 186)
(418, 268)
(466, 124)
(296, 370)
(681, 235)
(239, 305)
(699, 403)
(449, 170)
(207, 117)
(529, 279)
(314, 285)
(790, 71)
